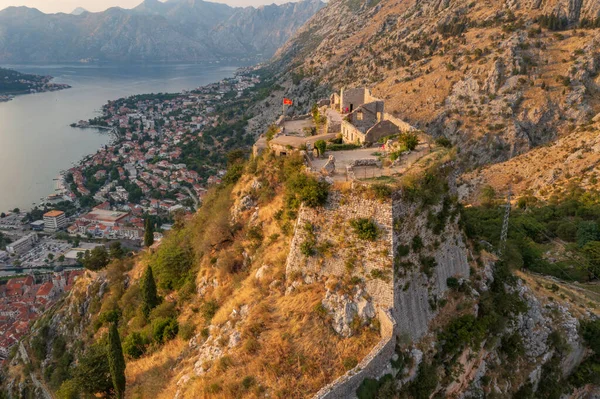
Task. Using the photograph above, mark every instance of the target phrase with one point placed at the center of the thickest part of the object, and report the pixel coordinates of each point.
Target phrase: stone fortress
(394, 289)
(355, 114)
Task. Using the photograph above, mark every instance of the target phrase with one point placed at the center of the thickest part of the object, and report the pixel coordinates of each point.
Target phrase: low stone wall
(404, 127)
(365, 162)
(374, 365)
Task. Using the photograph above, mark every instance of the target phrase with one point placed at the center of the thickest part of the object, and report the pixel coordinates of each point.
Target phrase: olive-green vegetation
(365, 229)
(150, 298)
(96, 259)
(148, 233)
(302, 187)
(567, 224)
(116, 361)
(321, 146)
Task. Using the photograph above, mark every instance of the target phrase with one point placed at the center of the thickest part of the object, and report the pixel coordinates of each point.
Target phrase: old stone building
(366, 124)
(350, 99)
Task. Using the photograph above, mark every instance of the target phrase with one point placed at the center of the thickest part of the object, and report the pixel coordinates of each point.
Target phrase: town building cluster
(101, 222)
(24, 299)
(148, 169)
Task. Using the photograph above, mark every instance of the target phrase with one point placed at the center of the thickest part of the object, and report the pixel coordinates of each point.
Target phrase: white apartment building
(22, 245)
(55, 220)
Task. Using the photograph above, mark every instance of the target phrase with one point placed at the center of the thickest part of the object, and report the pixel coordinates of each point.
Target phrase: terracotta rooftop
(53, 214)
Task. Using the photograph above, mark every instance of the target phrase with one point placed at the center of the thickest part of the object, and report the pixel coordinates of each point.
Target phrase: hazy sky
(51, 6)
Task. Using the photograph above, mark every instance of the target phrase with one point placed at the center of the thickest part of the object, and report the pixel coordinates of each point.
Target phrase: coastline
(6, 97)
(113, 131)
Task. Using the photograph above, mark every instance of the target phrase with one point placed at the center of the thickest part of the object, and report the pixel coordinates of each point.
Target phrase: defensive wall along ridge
(403, 299)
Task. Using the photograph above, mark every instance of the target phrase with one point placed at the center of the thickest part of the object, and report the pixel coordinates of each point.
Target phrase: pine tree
(149, 296)
(149, 233)
(116, 361)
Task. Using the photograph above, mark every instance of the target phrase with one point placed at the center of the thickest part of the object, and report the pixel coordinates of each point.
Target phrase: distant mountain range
(174, 31)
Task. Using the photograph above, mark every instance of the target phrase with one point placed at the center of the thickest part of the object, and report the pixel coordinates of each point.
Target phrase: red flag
(287, 101)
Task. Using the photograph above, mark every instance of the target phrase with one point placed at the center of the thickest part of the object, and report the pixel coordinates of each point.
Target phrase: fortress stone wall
(414, 292)
(332, 224)
(405, 302)
(375, 364)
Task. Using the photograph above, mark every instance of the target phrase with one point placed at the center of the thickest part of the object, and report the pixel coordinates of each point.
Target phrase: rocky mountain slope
(264, 297)
(174, 31)
(286, 285)
(497, 78)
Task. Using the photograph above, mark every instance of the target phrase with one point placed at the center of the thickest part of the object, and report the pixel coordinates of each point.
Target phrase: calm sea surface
(36, 141)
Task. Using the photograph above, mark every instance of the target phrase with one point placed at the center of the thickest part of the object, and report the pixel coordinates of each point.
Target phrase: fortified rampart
(405, 299)
(415, 295)
(332, 225)
(375, 364)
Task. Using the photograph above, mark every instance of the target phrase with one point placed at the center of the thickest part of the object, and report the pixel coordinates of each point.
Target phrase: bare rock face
(346, 310)
(532, 326)
(262, 272)
(220, 340)
(329, 168)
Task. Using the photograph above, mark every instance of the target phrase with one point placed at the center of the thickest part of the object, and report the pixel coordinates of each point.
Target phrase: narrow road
(194, 198)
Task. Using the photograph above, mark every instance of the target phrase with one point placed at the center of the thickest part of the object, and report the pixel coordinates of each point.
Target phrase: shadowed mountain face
(178, 30)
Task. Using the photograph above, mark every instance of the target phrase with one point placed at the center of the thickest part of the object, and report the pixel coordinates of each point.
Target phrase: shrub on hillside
(134, 345)
(164, 329)
(443, 142)
(381, 191)
(307, 189)
(365, 229)
(96, 259)
(409, 140)
(173, 260)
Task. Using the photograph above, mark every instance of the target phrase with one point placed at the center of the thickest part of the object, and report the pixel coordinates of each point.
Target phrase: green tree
(488, 196)
(321, 146)
(164, 329)
(592, 253)
(96, 259)
(587, 231)
(116, 361)
(68, 390)
(93, 372)
(410, 140)
(149, 233)
(150, 298)
(116, 250)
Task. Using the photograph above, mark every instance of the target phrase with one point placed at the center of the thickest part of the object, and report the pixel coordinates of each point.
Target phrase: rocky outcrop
(345, 309)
